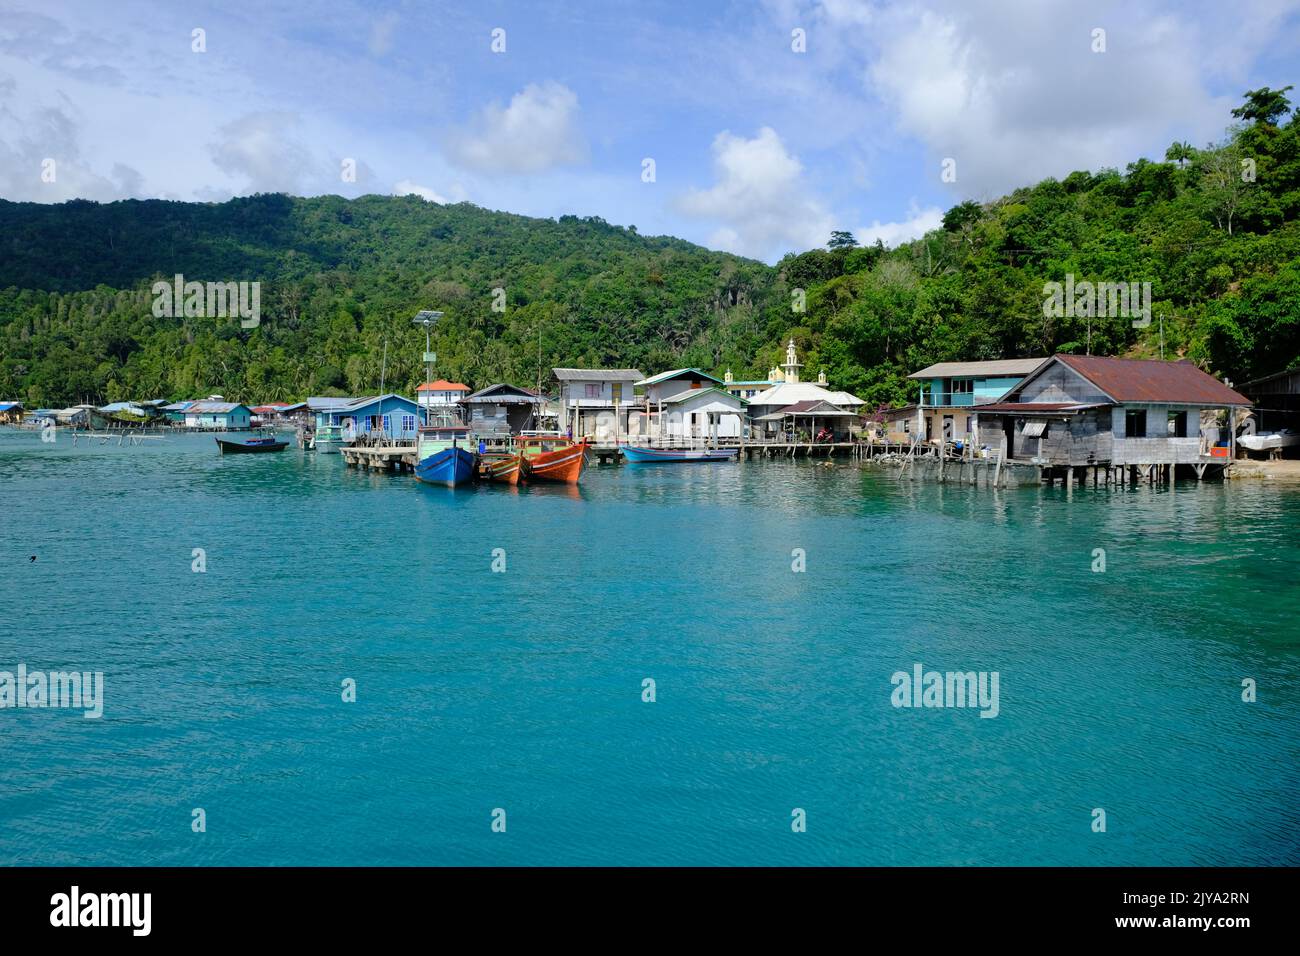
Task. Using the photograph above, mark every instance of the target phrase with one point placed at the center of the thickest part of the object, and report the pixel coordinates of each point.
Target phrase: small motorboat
(500, 466)
(1270, 441)
(445, 455)
(251, 445)
(647, 456)
(552, 458)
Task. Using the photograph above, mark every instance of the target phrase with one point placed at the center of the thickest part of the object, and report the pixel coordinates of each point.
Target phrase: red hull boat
(553, 458)
(502, 467)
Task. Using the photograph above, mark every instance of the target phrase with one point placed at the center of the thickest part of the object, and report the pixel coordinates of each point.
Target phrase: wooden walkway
(610, 453)
(381, 457)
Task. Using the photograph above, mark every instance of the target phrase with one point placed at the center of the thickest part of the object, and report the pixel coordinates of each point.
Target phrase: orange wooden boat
(500, 466)
(552, 458)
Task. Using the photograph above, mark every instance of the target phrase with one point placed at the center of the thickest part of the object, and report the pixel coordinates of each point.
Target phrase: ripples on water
(522, 690)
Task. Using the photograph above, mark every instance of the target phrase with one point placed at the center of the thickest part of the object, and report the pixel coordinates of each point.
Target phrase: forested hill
(338, 278)
(1214, 230)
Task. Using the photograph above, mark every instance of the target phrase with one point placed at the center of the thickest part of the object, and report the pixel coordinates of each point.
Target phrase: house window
(408, 423)
(617, 389)
(1177, 425)
(388, 424)
(963, 386)
(593, 391)
(1135, 423)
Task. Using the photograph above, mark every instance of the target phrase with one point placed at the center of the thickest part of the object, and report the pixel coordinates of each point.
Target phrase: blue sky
(758, 148)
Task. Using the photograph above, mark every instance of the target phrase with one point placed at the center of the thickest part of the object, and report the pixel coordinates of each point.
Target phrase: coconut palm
(1180, 153)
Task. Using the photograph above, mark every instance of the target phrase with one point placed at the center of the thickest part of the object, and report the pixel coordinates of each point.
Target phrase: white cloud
(760, 200)
(408, 188)
(536, 132)
(1014, 92)
(261, 150)
(917, 224)
(41, 158)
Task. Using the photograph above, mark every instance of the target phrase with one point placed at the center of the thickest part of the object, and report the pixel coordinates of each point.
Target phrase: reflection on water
(522, 688)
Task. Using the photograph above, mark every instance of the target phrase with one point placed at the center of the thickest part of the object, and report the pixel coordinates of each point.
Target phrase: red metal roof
(1151, 380)
(442, 385)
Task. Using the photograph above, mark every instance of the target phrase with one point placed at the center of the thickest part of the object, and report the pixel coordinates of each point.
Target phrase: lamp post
(427, 318)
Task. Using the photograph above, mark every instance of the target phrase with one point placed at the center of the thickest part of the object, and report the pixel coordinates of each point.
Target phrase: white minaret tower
(792, 363)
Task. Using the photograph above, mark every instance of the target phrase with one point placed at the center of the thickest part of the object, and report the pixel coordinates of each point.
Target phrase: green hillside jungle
(1215, 230)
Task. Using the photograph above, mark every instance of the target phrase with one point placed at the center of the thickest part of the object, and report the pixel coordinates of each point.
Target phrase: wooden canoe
(644, 455)
(251, 446)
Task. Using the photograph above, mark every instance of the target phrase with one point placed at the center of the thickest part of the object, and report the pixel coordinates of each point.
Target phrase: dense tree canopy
(1216, 231)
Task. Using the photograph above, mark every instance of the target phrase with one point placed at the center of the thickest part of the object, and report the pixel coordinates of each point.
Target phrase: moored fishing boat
(552, 458)
(445, 455)
(250, 445)
(644, 456)
(502, 467)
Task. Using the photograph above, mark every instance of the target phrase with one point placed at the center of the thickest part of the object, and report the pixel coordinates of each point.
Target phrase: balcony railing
(955, 399)
(575, 401)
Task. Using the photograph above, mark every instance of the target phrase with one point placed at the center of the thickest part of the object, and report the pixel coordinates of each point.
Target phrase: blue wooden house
(230, 416)
(175, 412)
(393, 417)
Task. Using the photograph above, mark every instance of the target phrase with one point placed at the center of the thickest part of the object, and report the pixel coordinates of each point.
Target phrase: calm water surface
(522, 690)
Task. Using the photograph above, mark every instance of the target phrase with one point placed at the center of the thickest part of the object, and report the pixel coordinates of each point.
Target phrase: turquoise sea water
(522, 690)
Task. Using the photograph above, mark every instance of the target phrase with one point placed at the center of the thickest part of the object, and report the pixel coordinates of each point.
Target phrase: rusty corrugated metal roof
(1151, 380)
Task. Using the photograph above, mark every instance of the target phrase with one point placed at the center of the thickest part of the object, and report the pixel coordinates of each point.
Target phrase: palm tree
(1179, 153)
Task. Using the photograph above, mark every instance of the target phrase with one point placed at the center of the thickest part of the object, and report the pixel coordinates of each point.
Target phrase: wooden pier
(995, 470)
(380, 457)
(612, 454)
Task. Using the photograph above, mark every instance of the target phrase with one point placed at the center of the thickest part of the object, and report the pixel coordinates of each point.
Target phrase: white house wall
(677, 418)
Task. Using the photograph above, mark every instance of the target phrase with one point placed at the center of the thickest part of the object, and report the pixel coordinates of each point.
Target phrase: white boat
(1267, 441)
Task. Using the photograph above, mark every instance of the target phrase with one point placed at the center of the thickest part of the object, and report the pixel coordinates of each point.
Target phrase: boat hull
(449, 467)
(244, 448)
(564, 465)
(1267, 441)
(501, 468)
(653, 456)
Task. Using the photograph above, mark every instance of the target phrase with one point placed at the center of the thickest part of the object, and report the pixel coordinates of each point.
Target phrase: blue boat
(647, 456)
(445, 455)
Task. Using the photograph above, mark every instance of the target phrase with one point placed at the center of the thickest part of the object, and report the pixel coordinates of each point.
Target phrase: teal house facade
(948, 392)
(391, 417)
(230, 416)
